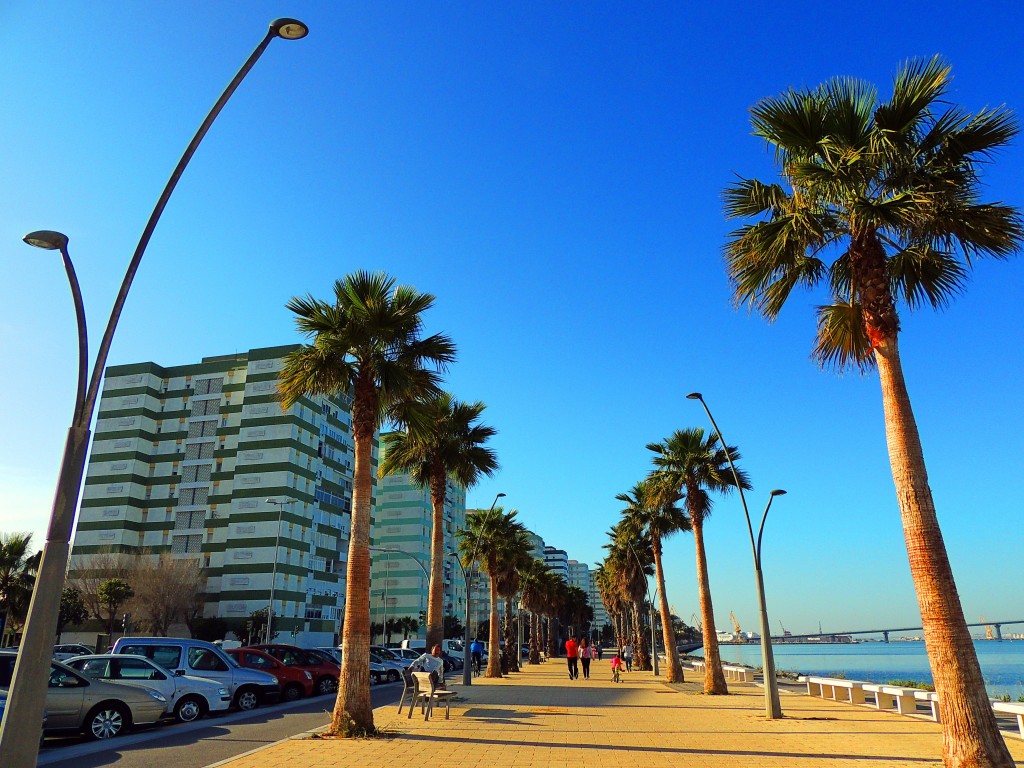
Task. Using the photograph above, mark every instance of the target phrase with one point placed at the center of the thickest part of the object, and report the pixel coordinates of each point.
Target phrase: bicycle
(476, 665)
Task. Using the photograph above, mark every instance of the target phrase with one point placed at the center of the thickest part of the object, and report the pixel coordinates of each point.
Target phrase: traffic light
(126, 622)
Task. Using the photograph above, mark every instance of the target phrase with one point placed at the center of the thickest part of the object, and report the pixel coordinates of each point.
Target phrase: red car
(325, 672)
(295, 682)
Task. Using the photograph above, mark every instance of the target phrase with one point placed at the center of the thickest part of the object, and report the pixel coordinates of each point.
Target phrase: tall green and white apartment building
(187, 460)
(400, 541)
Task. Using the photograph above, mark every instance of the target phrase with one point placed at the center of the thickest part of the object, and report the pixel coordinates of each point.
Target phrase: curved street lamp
(273, 574)
(19, 744)
(772, 704)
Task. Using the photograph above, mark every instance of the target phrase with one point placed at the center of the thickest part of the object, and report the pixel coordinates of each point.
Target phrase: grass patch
(912, 684)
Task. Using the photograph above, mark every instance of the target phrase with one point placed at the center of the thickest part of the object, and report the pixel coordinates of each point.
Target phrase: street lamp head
(694, 396)
(47, 239)
(289, 29)
(500, 496)
(778, 492)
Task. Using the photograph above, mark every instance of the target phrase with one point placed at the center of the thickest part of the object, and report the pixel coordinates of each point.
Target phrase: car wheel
(292, 692)
(246, 699)
(106, 721)
(374, 678)
(392, 676)
(188, 709)
(326, 685)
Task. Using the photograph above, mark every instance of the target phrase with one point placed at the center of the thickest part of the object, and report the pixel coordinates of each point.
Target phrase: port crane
(696, 622)
(736, 626)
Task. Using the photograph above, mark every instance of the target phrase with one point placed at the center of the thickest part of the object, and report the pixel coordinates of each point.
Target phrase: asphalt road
(195, 745)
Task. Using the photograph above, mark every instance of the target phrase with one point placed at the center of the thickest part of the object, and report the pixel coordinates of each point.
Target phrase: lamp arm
(133, 266)
(83, 335)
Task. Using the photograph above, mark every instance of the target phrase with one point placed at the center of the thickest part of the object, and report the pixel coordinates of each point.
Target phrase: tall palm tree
(533, 578)
(442, 440)
(16, 579)
(494, 537)
(367, 342)
(881, 202)
(651, 511)
(507, 583)
(695, 465)
(630, 560)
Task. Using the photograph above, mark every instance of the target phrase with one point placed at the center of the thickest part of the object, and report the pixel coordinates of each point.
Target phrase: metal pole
(19, 745)
(772, 704)
(384, 604)
(467, 673)
(647, 591)
(273, 576)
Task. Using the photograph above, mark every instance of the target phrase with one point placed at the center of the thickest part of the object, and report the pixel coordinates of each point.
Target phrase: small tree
(72, 610)
(113, 593)
(453, 627)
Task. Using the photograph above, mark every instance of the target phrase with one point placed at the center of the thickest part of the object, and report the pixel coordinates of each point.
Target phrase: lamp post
(19, 745)
(467, 672)
(273, 574)
(397, 552)
(772, 705)
(647, 589)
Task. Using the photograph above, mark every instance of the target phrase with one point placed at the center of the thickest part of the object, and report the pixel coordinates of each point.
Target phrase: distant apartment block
(186, 460)
(401, 548)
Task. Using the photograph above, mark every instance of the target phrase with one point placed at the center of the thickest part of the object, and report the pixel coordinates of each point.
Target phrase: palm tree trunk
(353, 712)
(714, 677)
(970, 736)
(674, 673)
(640, 651)
(435, 596)
(494, 635)
(534, 638)
(511, 647)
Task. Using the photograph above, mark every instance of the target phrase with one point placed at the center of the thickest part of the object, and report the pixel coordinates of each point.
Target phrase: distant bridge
(997, 625)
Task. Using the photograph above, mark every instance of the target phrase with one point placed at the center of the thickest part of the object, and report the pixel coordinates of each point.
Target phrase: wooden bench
(1013, 708)
(426, 692)
(837, 689)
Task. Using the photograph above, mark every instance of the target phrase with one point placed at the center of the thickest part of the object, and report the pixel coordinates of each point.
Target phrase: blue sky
(553, 173)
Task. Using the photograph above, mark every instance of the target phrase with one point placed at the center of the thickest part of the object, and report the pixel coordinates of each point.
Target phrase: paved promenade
(541, 719)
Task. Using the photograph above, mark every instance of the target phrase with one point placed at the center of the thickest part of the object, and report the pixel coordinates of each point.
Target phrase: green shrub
(912, 684)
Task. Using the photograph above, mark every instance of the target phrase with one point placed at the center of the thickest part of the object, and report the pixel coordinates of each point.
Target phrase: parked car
(70, 650)
(98, 709)
(3, 706)
(377, 672)
(390, 655)
(325, 672)
(249, 687)
(295, 682)
(188, 697)
(392, 669)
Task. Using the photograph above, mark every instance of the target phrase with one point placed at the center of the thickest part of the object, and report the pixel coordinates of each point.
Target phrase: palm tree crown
(883, 204)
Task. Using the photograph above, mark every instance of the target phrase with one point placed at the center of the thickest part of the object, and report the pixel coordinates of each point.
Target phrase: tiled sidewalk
(540, 718)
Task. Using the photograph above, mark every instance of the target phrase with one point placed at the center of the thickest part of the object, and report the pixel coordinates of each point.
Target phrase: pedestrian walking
(627, 656)
(587, 654)
(572, 657)
(600, 651)
(616, 668)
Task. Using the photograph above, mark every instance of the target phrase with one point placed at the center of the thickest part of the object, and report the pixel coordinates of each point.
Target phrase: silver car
(98, 709)
(188, 697)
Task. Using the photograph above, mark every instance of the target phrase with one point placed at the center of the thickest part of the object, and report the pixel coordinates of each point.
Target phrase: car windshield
(385, 653)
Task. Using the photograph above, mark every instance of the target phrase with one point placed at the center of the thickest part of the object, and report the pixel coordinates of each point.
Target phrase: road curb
(297, 736)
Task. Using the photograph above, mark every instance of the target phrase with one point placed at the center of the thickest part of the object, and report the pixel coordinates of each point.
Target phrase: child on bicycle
(617, 667)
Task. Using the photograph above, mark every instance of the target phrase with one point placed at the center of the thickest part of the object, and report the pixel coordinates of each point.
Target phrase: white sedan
(188, 697)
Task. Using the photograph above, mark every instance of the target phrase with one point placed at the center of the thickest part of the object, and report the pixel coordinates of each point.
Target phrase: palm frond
(921, 274)
(842, 341)
(917, 86)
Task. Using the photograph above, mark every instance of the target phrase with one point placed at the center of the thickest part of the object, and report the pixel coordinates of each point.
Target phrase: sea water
(1002, 661)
